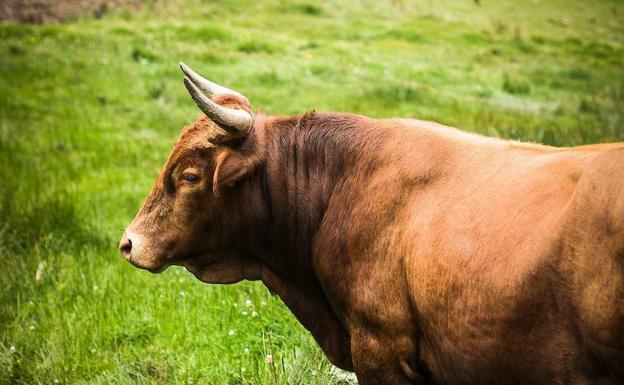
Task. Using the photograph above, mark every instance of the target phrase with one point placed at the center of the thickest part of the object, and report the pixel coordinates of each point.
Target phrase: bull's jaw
(223, 268)
(158, 270)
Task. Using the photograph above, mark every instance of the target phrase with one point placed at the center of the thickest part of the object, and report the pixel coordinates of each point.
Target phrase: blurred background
(91, 101)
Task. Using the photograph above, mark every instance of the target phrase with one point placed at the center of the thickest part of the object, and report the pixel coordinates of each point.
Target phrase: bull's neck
(306, 159)
(306, 163)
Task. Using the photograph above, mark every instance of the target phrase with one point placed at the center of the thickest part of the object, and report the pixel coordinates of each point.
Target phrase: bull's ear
(231, 167)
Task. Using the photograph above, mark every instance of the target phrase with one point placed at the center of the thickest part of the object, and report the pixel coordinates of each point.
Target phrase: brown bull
(413, 252)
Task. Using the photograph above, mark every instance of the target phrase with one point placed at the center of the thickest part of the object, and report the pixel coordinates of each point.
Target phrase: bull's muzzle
(130, 247)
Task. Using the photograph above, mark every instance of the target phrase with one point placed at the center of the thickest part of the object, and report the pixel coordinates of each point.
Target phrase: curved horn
(236, 122)
(209, 88)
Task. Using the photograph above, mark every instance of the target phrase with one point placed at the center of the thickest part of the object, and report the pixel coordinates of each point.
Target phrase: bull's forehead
(196, 136)
(199, 133)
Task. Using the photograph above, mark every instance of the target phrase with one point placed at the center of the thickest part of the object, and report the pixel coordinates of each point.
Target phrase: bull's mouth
(153, 268)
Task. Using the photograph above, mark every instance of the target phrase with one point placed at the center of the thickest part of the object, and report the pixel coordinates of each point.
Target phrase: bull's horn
(236, 122)
(209, 88)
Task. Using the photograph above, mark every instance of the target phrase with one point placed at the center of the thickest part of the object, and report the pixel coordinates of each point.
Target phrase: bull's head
(222, 208)
(185, 220)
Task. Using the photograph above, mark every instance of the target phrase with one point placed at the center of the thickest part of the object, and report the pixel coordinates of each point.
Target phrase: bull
(414, 253)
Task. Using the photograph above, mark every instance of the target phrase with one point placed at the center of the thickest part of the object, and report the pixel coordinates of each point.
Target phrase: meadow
(90, 108)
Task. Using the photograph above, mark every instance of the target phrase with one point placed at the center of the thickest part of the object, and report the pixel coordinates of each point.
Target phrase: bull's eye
(190, 176)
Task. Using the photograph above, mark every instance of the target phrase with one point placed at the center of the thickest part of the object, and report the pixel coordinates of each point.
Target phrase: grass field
(89, 110)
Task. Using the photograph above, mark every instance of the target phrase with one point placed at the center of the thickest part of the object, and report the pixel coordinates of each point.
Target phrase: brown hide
(413, 252)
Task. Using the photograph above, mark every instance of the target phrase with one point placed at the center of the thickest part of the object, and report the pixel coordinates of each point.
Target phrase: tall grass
(90, 109)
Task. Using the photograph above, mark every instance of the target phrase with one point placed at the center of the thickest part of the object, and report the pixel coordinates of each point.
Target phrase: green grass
(90, 109)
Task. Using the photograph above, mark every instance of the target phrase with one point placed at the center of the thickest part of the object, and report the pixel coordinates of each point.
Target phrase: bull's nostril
(126, 247)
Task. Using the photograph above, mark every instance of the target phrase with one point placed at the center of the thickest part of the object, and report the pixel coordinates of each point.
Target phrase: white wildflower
(248, 303)
(254, 313)
(244, 313)
(231, 333)
(12, 349)
(246, 350)
(269, 359)
(39, 273)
